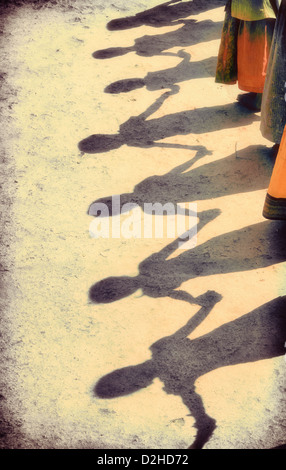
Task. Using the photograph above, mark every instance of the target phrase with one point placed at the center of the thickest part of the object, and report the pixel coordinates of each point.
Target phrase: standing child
(273, 118)
(273, 111)
(275, 201)
(245, 46)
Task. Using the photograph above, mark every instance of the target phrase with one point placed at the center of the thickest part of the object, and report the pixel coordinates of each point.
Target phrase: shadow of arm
(207, 300)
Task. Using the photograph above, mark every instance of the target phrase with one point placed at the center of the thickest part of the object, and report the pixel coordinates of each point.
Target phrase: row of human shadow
(142, 132)
(176, 360)
(253, 247)
(166, 14)
(190, 33)
(137, 131)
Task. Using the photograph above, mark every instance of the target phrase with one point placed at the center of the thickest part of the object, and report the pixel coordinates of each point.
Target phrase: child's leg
(275, 202)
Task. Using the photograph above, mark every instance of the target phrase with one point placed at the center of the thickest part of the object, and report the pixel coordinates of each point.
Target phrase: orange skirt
(253, 48)
(275, 202)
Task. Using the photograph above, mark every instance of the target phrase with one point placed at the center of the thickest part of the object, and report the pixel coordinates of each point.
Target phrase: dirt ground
(185, 346)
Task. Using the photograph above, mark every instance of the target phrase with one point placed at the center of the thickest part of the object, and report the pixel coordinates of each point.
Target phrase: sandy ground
(218, 383)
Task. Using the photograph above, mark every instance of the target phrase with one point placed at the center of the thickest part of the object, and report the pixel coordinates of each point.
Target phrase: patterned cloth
(227, 57)
(273, 110)
(244, 50)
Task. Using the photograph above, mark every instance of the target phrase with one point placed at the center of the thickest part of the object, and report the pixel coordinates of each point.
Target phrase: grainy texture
(127, 374)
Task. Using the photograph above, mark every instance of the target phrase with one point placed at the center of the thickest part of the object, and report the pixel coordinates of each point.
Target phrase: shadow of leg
(205, 425)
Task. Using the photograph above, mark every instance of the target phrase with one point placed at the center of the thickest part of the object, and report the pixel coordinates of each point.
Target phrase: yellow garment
(252, 10)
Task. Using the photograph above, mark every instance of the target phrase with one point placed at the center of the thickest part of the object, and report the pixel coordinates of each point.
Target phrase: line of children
(252, 54)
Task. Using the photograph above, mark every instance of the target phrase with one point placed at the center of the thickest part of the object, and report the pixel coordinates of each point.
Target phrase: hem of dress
(221, 82)
(250, 89)
(274, 208)
(268, 135)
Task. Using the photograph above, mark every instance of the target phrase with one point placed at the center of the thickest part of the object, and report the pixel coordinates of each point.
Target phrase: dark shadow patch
(233, 175)
(124, 86)
(178, 361)
(254, 247)
(100, 143)
(191, 32)
(185, 70)
(166, 14)
(139, 131)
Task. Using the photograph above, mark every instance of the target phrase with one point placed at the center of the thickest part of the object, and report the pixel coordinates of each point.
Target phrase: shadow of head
(100, 143)
(110, 52)
(113, 205)
(120, 24)
(112, 289)
(125, 381)
(124, 86)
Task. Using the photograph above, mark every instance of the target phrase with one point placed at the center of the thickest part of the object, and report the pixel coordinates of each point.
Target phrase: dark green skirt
(273, 110)
(226, 71)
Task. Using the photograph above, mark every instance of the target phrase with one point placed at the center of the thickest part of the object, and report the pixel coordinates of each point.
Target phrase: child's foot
(251, 101)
